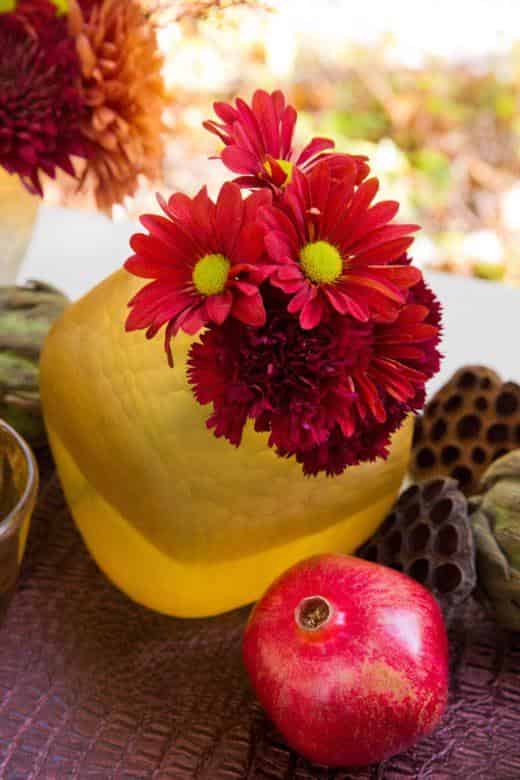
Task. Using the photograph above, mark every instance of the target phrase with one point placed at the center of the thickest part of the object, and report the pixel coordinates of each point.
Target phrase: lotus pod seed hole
(425, 458)
(469, 426)
(506, 403)
(481, 403)
(411, 514)
(453, 403)
(419, 538)
(463, 475)
(419, 570)
(478, 455)
(449, 454)
(312, 613)
(447, 578)
(409, 495)
(448, 540)
(432, 489)
(438, 430)
(432, 408)
(441, 511)
(467, 380)
(497, 433)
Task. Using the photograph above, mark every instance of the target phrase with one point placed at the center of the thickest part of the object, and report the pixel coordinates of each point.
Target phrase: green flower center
(286, 166)
(6, 6)
(211, 274)
(62, 6)
(321, 262)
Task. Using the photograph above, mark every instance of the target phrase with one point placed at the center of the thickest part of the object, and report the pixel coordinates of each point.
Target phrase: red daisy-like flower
(258, 142)
(40, 101)
(331, 396)
(202, 258)
(332, 251)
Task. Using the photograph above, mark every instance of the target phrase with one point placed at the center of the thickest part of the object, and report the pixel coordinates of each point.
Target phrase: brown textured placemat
(93, 686)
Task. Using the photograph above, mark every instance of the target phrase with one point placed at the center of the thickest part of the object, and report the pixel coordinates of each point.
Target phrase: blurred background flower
(431, 94)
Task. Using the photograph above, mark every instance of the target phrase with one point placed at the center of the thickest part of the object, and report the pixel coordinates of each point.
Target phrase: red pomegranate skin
(366, 684)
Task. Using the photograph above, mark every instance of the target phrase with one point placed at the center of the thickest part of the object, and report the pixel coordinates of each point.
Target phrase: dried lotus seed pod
(470, 422)
(428, 535)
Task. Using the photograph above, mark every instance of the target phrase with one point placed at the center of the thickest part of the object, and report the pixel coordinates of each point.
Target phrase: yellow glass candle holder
(18, 491)
(180, 520)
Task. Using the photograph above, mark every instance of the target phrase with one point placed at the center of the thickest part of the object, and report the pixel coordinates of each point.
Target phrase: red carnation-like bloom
(332, 251)
(331, 396)
(40, 101)
(258, 142)
(202, 258)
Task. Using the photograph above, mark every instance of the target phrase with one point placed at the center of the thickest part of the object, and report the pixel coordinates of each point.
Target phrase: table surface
(94, 686)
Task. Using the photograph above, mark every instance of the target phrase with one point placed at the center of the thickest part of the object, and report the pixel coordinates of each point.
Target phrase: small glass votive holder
(18, 491)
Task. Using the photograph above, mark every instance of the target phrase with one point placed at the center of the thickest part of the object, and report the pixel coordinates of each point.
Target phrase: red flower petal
(264, 110)
(239, 160)
(218, 307)
(288, 124)
(229, 217)
(306, 293)
(313, 148)
(250, 310)
(279, 246)
(345, 304)
(311, 314)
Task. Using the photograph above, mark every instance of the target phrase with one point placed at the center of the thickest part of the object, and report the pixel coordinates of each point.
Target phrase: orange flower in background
(124, 94)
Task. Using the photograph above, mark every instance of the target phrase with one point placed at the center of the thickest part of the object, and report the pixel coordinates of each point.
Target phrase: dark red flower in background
(258, 142)
(331, 396)
(202, 257)
(40, 101)
(331, 250)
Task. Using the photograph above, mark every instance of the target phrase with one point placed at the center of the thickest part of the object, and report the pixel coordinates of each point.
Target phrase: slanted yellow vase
(180, 520)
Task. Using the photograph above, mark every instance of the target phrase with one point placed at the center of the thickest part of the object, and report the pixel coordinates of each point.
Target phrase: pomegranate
(349, 659)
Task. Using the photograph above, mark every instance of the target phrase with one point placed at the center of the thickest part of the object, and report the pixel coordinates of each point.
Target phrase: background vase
(181, 521)
(18, 210)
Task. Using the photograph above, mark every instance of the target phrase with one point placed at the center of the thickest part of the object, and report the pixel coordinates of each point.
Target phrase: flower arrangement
(82, 81)
(314, 323)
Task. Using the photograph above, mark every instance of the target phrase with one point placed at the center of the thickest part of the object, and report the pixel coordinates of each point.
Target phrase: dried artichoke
(26, 315)
(496, 524)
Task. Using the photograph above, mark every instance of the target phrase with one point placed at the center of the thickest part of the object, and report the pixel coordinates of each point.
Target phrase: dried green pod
(26, 315)
(496, 524)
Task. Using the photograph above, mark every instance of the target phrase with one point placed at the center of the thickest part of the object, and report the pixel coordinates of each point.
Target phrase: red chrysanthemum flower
(258, 142)
(331, 396)
(40, 101)
(202, 257)
(331, 250)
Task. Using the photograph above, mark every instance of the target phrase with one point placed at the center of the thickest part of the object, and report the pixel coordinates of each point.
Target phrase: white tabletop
(75, 250)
